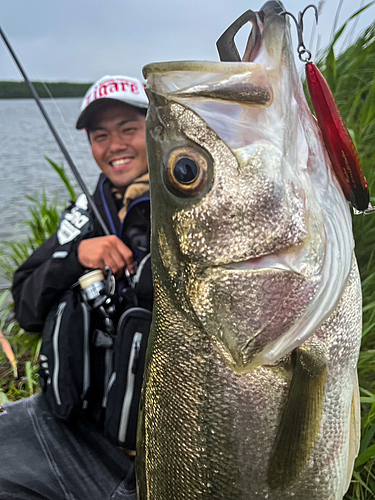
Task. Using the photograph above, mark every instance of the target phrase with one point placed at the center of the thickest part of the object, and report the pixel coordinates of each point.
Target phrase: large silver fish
(250, 387)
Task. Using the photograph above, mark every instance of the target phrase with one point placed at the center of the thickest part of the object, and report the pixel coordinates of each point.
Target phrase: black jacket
(54, 267)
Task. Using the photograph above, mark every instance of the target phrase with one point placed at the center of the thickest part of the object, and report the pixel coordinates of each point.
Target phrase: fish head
(251, 233)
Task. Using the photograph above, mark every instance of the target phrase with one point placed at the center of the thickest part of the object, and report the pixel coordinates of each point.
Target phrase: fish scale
(250, 389)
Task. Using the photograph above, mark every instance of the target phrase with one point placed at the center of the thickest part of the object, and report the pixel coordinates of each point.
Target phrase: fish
(250, 388)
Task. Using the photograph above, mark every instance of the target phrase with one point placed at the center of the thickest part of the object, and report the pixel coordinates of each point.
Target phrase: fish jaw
(242, 310)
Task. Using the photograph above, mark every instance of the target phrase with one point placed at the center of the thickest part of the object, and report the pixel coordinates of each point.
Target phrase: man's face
(118, 142)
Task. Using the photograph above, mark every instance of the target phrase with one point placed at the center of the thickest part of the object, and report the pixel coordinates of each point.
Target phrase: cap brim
(86, 115)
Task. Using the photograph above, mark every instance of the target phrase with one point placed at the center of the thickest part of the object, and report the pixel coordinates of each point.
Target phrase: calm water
(24, 142)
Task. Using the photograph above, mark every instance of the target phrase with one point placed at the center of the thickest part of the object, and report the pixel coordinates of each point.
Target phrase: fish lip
(258, 263)
(283, 261)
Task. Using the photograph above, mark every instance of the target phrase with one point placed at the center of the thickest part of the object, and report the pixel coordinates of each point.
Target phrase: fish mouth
(245, 306)
(279, 261)
(305, 260)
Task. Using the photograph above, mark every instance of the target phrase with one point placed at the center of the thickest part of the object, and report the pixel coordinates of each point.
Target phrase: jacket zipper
(86, 356)
(55, 346)
(108, 374)
(141, 265)
(112, 380)
(126, 406)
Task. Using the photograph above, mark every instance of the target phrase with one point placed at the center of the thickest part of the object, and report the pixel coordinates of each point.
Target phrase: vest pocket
(64, 373)
(125, 383)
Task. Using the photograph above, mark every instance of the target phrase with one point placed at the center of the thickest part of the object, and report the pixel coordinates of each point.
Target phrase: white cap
(121, 88)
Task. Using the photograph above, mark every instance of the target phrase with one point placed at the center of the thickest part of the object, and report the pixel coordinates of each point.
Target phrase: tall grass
(19, 350)
(351, 77)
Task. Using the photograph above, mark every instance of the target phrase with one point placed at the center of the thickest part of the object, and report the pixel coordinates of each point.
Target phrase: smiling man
(77, 441)
(113, 113)
(117, 132)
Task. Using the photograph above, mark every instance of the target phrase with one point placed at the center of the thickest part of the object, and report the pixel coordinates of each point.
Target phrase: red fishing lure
(340, 147)
(337, 140)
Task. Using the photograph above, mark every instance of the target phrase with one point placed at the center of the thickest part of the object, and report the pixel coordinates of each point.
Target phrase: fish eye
(186, 174)
(185, 170)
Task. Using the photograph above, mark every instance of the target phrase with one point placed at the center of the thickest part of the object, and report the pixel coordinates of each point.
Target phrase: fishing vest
(88, 370)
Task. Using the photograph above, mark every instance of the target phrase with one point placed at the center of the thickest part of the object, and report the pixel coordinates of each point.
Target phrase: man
(45, 453)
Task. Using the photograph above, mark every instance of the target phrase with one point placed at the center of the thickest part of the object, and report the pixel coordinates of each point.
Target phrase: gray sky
(79, 40)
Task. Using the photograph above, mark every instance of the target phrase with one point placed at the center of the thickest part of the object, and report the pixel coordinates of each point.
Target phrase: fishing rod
(56, 136)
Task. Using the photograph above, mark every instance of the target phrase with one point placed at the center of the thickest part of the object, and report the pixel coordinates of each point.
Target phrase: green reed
(42, 221)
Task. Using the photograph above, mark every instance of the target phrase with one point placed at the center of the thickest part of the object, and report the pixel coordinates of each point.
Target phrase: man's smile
(120, 163)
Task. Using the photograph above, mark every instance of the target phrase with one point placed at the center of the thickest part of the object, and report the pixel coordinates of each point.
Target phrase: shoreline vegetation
(20, 90)
(351, 77)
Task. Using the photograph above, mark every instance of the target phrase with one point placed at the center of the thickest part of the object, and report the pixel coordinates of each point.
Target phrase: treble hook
(303, 53)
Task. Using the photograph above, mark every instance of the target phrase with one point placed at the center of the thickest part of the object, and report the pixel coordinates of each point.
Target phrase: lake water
(25, 140)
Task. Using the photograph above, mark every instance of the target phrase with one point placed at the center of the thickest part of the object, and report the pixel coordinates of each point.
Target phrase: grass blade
(9, 353)
(61, 172)
(3, 398)
(365, 456)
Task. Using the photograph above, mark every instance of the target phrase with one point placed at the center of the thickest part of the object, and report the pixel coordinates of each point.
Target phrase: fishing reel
(98, 290)
(98, 293)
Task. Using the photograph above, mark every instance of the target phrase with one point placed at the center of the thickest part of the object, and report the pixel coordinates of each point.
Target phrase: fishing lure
(340, 147)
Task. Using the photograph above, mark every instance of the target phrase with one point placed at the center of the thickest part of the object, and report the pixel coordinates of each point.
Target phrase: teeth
(120, 163)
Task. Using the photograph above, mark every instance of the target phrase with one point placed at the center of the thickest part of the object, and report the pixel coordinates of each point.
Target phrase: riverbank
(20, 90)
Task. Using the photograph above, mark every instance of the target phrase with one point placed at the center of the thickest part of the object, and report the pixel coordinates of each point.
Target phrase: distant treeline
(19, 90)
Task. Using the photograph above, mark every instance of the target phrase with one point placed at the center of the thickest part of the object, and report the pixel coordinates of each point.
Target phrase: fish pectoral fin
(300, 420)
(355, 432)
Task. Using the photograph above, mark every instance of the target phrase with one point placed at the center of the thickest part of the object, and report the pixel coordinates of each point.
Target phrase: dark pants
(41, 457)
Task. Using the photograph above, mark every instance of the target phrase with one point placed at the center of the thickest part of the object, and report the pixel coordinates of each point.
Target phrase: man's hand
(96, 253)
